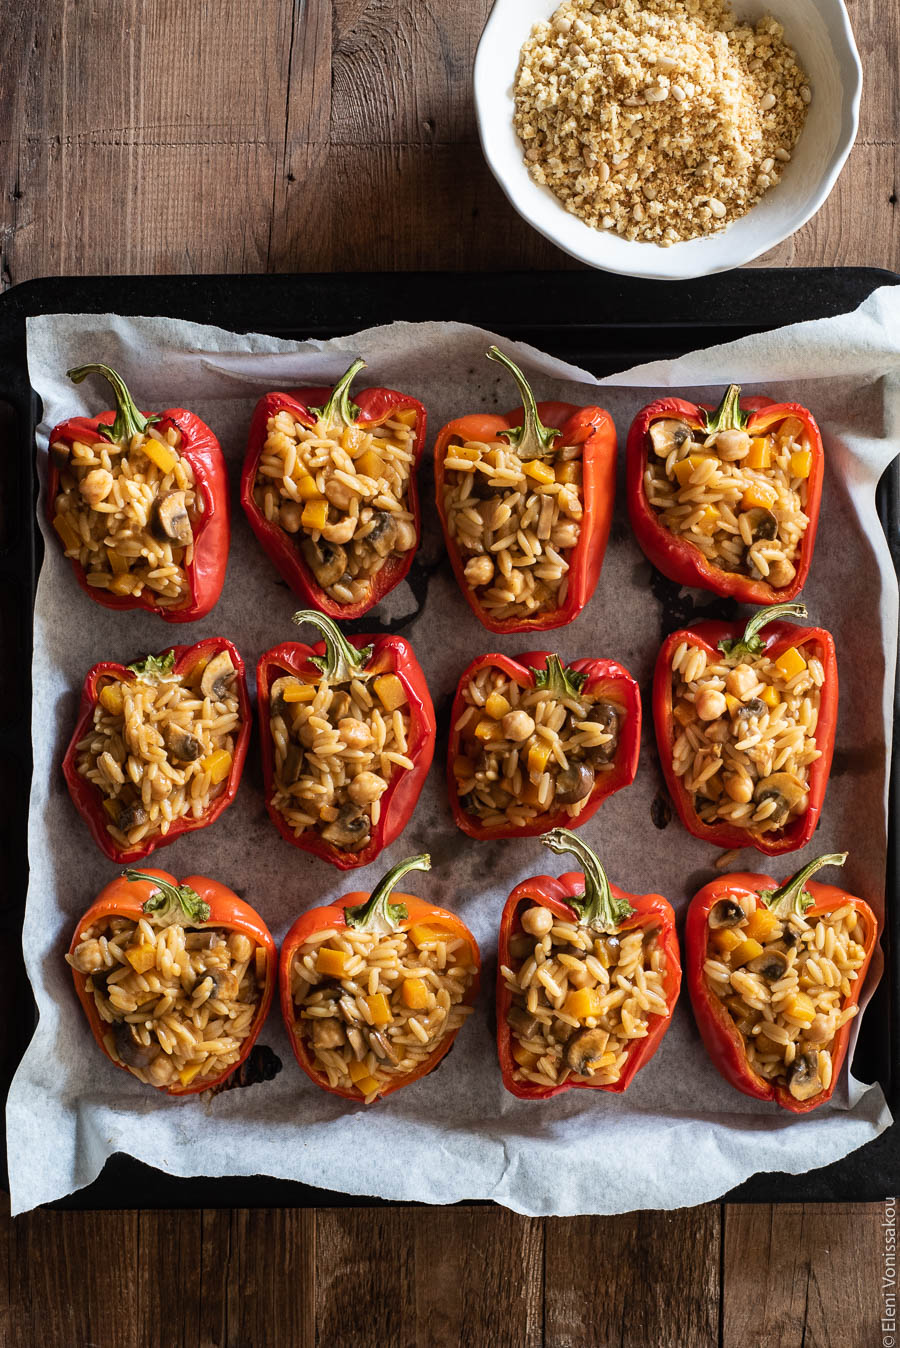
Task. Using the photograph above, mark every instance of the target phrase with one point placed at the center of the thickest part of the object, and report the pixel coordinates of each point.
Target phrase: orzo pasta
(374, 993)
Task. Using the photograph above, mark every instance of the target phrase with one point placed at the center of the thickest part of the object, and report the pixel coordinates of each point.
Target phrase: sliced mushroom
(327, 1033)
(584, 1050)
(327, 561)
(382, 534)
(341, 706)
(200, 940)
(770, 965)
(574, 783)
(788, 794)
(763, 523)
(131, 816)
(181, 743)
(755, 707)
(350, 831)
(356, 1042)
(60, 455)
(789, 938)
(130, 1049)
(725, 913)
(216, 676)
(669, 434)
(292, 766)
(170, 519)
(609, 717)
(803, 1076)
(522, 1022)
(381, 1046)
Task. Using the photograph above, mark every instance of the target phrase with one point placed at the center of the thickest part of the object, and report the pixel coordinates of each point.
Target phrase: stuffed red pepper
(775, 973)
(526, 503)
(175, 979)
(727, 500)
(329, 487)
(140, 505)
(347, 729)
(375, 988)
(587, 979)
(159, 746)
(745, 722)
(534, 744)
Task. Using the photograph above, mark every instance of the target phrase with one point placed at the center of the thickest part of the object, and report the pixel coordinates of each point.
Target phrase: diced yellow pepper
(367, 1085)
(539, 472)
(800, 1007)
(217, 764)
(538, 755)
(141, 957)
(583, 1003)
(496, 706)
(685, 467)
(369, 464)
(379, 1009)
(112, 808)
(708, 519)
(358, 1071)
(414, 994)
(463, 767)
(307, 488)
(759, 494)
(187, 1073)
(760, 455)
(330, 962)
(712, 787)
(421, 935)
(111, 698)
(790, 663)
(743, 953)
(770, 696)
(684, 713)
(569, 472)
(350, 438)
(522, 1055)
(408, 417)
(725, 939)
(117, 562)
(299, 692)
(315, 514)
(390, 691)
(530, 794)
(762, 925)
(122, 583)
(790, 429)
(601, 951)
(164, 457)
(469, 452)
(485, 729)
(801, 463)
(70, 539)
(732, 703)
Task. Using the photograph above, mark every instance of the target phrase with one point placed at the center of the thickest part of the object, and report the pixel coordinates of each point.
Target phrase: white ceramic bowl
(820, 33)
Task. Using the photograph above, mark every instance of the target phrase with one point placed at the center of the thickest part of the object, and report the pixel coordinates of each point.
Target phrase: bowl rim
(482, 72)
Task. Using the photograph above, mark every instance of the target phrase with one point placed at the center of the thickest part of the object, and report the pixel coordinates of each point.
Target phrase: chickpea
(732, 444)
(161, 1071)
(740, 680)
(738, 787)
(241, 947)
(710, 704)
(516, 581)
(781, 573)
(291, 516)
(88, 957)
(366, 787)
(96, 485)
(355, 734)
(339, 494)
(479, 571)
(537, 921)
(517, 725)
(341, 531)
(565, 534)
(404, 536)
(579, 978)
(820, 1031)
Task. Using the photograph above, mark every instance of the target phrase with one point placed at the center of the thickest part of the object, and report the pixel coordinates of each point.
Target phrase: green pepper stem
(791, 897)
(339, 411)
(597, 907)
(751, 643)
(341, 661)
(531, 440)
(129, 421)
(378, 914)
(728, 415)
(171, 903)
(154, 666)
(563, 682)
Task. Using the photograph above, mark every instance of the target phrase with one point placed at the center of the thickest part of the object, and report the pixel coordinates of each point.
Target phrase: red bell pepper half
(747, 893)
(589, 901)
(383, 912)
(537, 431)
(598, 680)
(750, 642)
(340, 659)
(86, 797)
(200, 449)
(196, 902)
(330, 411)
(677, 557)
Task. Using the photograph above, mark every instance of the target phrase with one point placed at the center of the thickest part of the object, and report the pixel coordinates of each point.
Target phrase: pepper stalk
(531, 440)
(339, 412)
(378, 915)
(341, 661)
(751, 643)
(792, 896)
(171, 903)
(562, 682)
(154, 666)
(129, 421)
(728, 416)
(597, 908)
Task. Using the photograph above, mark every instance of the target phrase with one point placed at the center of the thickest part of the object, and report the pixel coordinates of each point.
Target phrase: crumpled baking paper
(680, 1135)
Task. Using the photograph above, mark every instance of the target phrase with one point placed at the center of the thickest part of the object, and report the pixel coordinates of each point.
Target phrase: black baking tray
(600, 322)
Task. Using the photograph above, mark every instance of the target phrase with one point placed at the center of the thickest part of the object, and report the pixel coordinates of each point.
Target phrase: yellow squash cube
(801, 463)
(770, 696)
(390, 692)
(70, 539)
(790, 663)
(330, 962)
(759, 494)
(307, 488)
(760, 455)
(315, 514)
(111, 698)
(538, 755)
(163, 456)
(299, 692)
(369, 464)
(725, 939)
(358, 1071)
(421, 935)
(539, 472)
(141, 957)
(496, 706)
(569, 472)
(188, 1072)
(217, 764)
(743, 953)
(762, 925)
(414, 994)
(583, 1003)
(379, 1009)
(408, 417)
(523, 1056)
(800, 1007)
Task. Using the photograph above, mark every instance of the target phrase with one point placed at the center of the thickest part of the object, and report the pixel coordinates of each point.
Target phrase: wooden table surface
(302, 135)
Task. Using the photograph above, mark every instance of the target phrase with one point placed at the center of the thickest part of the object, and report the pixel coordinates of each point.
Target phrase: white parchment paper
(680, 1135)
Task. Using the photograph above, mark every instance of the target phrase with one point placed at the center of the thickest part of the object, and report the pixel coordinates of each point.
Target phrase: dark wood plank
(436, 1276)
(168, 1289)
(257, 1272)
(805, 1274)
(649, 1278)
